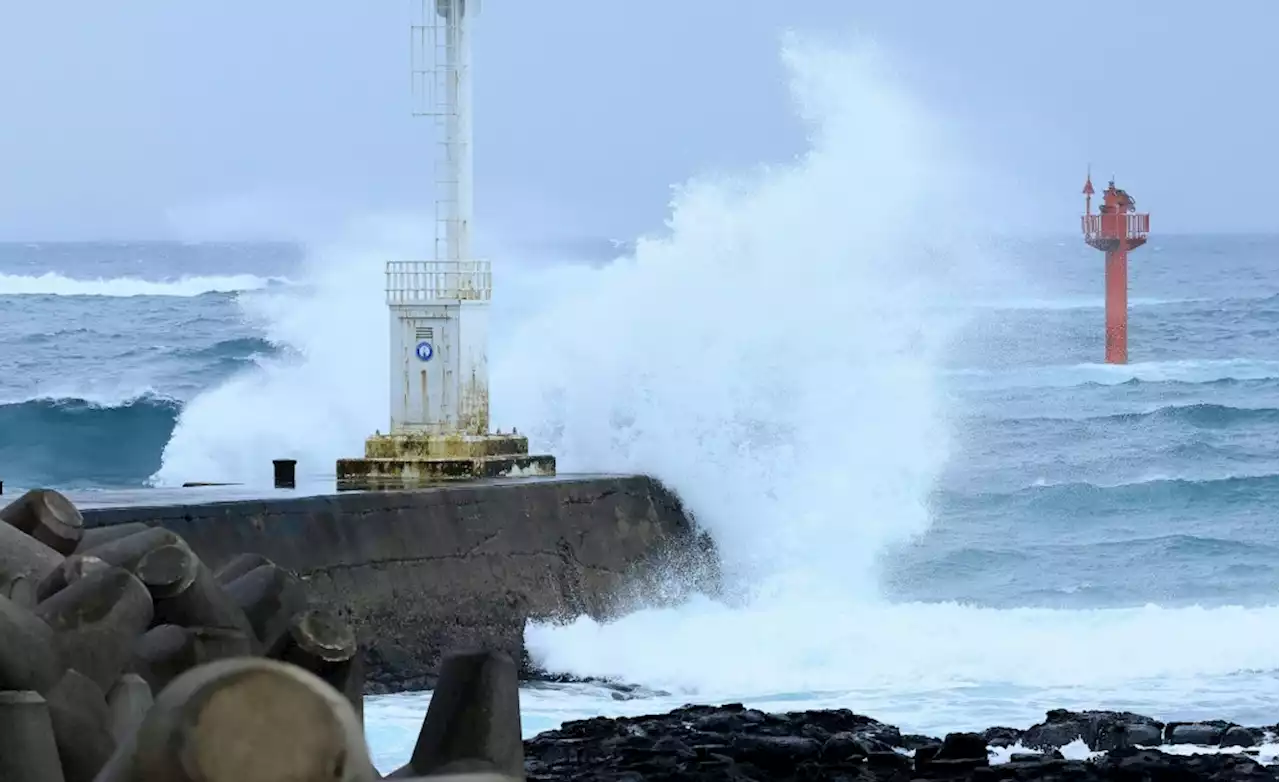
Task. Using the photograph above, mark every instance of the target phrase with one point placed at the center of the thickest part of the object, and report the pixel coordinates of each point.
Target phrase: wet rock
(1100, 730)
(1196, 732)
(733, 742)
(1237, 736)
(1002, 737)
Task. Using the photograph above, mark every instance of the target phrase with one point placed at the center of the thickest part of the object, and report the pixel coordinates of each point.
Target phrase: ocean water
(935, 506)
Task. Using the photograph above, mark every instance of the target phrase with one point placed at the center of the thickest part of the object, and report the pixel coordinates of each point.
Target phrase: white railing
(1116, 225)
(410, 282)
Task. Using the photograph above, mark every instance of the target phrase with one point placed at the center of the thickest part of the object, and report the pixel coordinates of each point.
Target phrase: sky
(237, 119)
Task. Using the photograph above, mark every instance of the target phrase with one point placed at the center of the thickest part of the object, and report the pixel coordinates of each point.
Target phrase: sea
(995, 525)
(870, 381)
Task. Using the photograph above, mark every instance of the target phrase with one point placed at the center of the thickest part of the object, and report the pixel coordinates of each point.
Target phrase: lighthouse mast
(439, 308)
(1115, 230)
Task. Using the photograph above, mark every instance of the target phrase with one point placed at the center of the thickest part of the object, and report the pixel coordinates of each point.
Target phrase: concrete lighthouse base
(398, 460)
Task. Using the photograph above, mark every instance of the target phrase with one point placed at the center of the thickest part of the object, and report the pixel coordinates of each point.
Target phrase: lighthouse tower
(1116, 229)
(439, 308)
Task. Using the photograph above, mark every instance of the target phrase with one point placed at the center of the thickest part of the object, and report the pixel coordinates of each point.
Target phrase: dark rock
(1196, 732)
(734, 743)
(1100, 730)
(1237, 736)
(963, 746)
(1002, 737)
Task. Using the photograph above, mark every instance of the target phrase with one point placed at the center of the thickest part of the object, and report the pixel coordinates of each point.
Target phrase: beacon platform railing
(1114, 226)
(410, 282)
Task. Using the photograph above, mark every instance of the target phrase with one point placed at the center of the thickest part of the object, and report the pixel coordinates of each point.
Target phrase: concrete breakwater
(419, 573)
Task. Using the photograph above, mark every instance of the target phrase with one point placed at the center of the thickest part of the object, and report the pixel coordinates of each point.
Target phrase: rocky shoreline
(735, 743)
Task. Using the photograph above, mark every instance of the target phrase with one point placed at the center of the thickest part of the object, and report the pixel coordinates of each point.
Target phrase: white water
(54, 284)
(774, 357)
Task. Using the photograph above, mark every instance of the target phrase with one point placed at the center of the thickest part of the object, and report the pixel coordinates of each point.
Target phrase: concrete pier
(422, 572)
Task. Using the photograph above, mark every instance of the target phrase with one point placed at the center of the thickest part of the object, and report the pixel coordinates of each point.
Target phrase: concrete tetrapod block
(239, 565)
(97, 536)
(23, 555)
(81, 726)
(322, 643)
(47, 516)
(128, 702)
(166, 651)
(28, 752)
(127, 551)
(270, 598)
(96, 622)
(72, 569)
(185, 592)
(245, 720)
(473, 722)
(29, 659)
(21, 590)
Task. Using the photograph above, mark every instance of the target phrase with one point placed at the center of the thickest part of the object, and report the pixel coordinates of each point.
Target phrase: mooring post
(284, 473)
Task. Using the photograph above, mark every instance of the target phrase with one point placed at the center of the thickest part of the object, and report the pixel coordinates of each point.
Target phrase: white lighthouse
(439, 308)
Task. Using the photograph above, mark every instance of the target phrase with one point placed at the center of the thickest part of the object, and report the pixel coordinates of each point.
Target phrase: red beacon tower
(1116, 229)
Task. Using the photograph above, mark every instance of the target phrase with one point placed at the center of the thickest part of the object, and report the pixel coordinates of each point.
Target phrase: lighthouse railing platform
(1114, 226)
(414, 282)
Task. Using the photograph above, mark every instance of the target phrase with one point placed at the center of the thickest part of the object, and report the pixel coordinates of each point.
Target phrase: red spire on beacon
(1088, 184)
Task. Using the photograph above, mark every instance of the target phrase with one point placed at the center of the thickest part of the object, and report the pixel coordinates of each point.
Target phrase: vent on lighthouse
(423, 332)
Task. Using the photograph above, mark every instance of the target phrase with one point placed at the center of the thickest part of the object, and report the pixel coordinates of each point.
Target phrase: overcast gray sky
(158, 119)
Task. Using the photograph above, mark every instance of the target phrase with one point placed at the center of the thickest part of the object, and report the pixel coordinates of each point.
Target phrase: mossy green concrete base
(421, 459)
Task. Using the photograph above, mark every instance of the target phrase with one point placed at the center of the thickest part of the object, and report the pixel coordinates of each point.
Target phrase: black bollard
(473, 722)
(96, 622)
(248, 718)
(27, 749)
(284, 469)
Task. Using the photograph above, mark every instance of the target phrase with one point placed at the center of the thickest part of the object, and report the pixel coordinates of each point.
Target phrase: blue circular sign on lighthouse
(425, 351)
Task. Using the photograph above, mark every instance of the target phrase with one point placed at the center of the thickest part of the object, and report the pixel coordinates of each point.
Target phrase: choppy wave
(1067, 375)
(72, 441)
(1076, 303)
(1204, 415)
(1081, 500)
(54, 284)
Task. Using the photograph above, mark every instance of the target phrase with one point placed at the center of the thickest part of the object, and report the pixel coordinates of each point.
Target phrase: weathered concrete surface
(422, 573)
